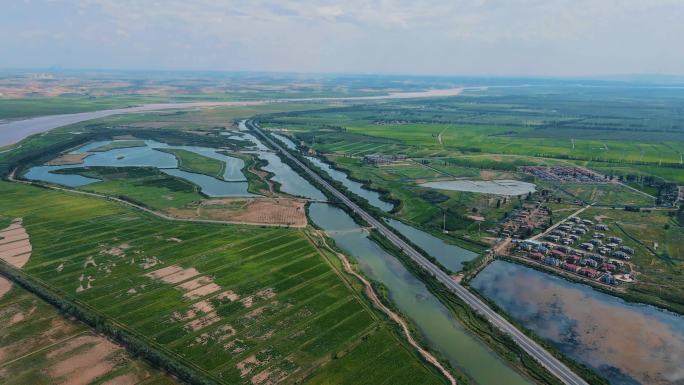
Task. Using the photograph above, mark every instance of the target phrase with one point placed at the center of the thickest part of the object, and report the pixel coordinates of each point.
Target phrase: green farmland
(241, 304)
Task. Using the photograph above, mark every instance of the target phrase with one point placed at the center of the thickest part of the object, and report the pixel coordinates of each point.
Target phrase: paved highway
(545, 358)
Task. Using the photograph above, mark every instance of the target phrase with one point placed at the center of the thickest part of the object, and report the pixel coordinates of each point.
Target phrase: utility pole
(444, 230)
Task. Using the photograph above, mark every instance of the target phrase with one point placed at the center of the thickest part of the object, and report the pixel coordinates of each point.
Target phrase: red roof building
(537, 256)
(574, 259)
(570, 267)
(609, 267)
(558, 253)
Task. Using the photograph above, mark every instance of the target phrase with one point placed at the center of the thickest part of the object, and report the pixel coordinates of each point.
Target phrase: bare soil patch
(200, 314)
(85, 366)
(267, 211)
(245, 366)
(202, 322)
(116, 251)
(195, 283)
(17, 249)
(5, 286)
(12, 235)
(229, 295)
(124, 379)
(202, 291)
(66, 159)
(181, 275)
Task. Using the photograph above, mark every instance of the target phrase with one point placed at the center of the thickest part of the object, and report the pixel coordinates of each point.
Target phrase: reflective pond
(626, 343)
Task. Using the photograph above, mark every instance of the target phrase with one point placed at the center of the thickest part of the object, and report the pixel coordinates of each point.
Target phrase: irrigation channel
(626, 343)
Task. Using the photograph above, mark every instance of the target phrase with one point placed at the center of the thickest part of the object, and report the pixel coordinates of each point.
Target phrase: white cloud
(459, 36)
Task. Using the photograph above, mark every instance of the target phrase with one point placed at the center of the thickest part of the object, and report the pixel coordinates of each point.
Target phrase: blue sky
(448, 37)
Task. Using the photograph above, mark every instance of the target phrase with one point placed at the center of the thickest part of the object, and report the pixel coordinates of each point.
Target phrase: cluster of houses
(522, 222)
(569, 233)
(590, 265)
(565, 174)
(375, 159)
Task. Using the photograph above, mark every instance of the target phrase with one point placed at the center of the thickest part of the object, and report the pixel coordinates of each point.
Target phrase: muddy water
(441, 331)
(626, 343)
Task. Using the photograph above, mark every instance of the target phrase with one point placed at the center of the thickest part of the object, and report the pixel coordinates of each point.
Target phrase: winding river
(16, 130)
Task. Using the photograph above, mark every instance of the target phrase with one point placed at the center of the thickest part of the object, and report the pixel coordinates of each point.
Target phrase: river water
(14, 131)
(441, 330)
(626, 343)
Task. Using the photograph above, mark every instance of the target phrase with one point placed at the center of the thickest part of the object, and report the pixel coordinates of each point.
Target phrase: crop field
(39, 346)
(242, 304)
(619, 125)
(607, 194)
(490, 134)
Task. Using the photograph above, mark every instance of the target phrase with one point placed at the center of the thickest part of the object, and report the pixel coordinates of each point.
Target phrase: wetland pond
(626, 343)
(233, 182)
(441, 330)
(498, 187)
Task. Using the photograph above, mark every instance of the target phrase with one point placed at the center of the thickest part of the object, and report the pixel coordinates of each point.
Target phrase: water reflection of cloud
(642, 342)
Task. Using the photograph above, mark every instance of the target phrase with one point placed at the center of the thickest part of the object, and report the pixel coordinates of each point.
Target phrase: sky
(446, 37)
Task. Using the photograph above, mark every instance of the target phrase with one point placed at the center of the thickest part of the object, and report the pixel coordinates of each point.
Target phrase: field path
(370, 293)
(550, 229)
(439, 137)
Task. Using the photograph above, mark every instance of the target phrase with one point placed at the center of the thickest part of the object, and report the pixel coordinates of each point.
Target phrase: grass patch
(199, 164)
